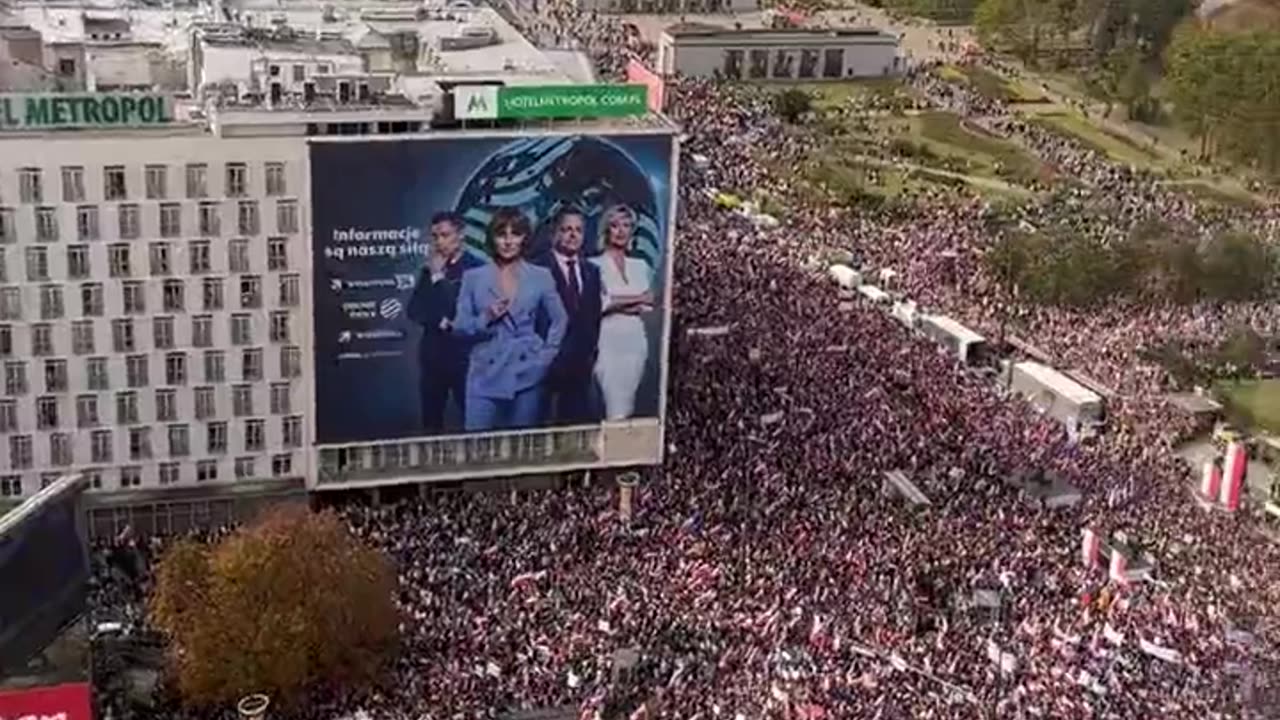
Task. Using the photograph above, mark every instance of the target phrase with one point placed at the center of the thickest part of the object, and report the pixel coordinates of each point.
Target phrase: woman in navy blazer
(498, 307)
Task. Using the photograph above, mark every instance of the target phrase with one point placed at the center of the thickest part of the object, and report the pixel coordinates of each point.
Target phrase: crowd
(765, 574)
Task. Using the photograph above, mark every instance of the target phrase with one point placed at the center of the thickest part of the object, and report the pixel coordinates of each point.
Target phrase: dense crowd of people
(764, 573)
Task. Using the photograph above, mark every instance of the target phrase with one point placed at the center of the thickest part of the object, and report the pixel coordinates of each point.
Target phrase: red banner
(638, 73)
(57, 702)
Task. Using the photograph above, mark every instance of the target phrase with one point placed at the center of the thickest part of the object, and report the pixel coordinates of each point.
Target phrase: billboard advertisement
(473, 284)
(63, 702)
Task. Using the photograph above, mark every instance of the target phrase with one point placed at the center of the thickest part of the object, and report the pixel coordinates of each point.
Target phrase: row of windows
(50, 408)
(170, 473)
(156, 182)
(178, 437)
(133, 297)
(169, 222)
(161, 260)
(177, 370)
(124, 337)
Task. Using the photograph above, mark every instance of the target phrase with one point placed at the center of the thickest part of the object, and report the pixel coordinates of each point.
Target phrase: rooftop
(695, 29)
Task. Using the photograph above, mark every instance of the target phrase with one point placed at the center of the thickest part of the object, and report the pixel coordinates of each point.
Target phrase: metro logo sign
(525, 102)
(58, 702)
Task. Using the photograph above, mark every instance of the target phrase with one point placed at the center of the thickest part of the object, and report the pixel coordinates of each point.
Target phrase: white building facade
(153, 311)
(783, 55)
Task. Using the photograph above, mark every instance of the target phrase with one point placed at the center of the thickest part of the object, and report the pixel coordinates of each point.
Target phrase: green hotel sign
(491, 102)
(53, 111)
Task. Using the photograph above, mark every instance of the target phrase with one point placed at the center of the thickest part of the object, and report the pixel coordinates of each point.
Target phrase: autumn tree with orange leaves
(288, 603)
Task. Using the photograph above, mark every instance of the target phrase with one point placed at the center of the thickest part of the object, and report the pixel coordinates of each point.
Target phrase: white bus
(1079, 408)
(965, 344)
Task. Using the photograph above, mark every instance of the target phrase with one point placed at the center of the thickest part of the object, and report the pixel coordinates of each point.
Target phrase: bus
(1058, 396)
(966, 345)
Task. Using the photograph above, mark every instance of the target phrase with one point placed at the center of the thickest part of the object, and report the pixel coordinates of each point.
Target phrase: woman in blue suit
(498, 307)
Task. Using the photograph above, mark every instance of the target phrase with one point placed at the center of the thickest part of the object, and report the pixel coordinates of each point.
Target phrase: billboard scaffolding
(490, 304)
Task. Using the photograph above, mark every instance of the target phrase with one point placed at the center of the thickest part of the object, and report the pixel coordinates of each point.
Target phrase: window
(11, 486)
(95, 479)
(281, 465)
(72, 184)
(808, 63)
(30, 189)
(784, 64)
(46, 412)
(113, 183)
(174, 296)
(6, 340)
(179, 441)
(275, 178)
(126, 408)
(157, 182)
(290, 361)
(244, 468)
(280, 398)
(96, 370)
(287, 217)
(216, 437)
(127, 218)
(162, 333)
(77, 262)
(166, 405)
(161, 254)
(139, 443)
(51, 307)
(210, 222)
(91, 304)
(4, 266)
(55, 375)
(59, 449)
(757, 64)
(170, 220)
(118, 259)
(247, 217)
(8, 416)
(241, 330)
(136, 369)
(135, 298)
(277, 254)
(833, 62)
(206, 470)
(130, 477)
(170, 473)
(20, 452)
(254, 435)
(237, 179)
(206, 405)
(197, 181)
(291, 429)
(10, 303)
(87, 222)
(299, 73)
(37, 264)
(175, 368)
(198, 252)
(290, 290)
(46, 224)
(238, 256)
(15, 378)
(8, 233)
(42, 339)
(202, 331)
(242, 400)
(251, 365)
(82, 338)
(215, 366)
(280, 327)
(250, 292)
(211, 293)
(733, 64)
(122, 339)
(86, 410)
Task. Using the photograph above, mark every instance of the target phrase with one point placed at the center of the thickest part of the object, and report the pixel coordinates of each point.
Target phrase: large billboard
(475, 284)
(58, 702)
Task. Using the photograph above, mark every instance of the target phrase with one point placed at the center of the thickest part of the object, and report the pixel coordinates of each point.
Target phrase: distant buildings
(697, 50)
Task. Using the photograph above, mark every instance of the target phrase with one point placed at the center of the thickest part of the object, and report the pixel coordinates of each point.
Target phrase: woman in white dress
(626, 284)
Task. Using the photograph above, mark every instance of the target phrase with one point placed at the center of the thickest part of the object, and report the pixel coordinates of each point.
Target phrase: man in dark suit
(442, 355)
(569, 384)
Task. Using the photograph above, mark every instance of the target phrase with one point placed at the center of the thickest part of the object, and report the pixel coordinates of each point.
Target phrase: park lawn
(1215, 194)
(1258, 399)
(991, 85)
(827, 95)
(944, 133)
(1116, 146)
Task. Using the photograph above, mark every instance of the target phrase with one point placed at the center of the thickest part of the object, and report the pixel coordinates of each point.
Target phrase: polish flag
(1210, 480)
(1237, 463)
(1089, 548)
(1119, 564)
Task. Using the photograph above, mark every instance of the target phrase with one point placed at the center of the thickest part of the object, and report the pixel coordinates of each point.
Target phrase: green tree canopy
(290, 602)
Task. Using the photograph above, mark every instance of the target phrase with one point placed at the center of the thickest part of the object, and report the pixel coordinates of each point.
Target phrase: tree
(288, 603)
(792, 104)
(1237, 266)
